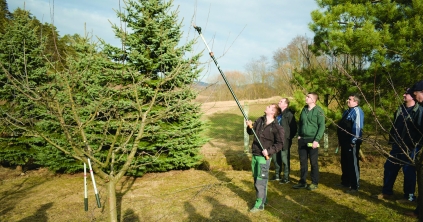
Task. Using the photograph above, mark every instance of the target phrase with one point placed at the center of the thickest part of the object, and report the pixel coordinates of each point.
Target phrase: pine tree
(378, 48)
(377, 42)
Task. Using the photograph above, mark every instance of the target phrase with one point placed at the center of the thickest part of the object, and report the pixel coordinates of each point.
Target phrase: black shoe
(275, 179)
(300, 186)
(284, 181)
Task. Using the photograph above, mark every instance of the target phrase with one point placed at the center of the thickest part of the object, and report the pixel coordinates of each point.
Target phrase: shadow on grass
(284, 202)
(130, 216)
(220, 212)
(367, 192)
(287, 204)
(126, 186)
(18, 192)
(40, 215)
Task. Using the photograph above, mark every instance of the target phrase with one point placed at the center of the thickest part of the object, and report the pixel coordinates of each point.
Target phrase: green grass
(224, 191)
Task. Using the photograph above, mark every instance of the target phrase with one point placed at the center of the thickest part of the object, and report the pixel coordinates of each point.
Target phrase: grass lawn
(220, 190)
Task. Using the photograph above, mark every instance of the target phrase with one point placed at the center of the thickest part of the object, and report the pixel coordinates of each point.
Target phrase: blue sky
(237, 31)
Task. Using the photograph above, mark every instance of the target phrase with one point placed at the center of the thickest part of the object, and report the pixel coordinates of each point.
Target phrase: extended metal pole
(97, 197)
(227, 84)
(85, 188)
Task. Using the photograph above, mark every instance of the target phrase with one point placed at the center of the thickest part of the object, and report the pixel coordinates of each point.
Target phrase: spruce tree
(164, 75)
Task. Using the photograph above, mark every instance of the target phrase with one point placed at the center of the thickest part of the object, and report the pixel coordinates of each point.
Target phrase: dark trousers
(350, 165)
(391, 168)
(277, 161)
(282, 161)
(305, 153)
(286, 160)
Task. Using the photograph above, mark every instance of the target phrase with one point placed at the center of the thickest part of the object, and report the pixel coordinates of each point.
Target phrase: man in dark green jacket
(310, 131)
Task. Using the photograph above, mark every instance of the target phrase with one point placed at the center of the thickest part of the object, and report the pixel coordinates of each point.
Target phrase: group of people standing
(278, 127)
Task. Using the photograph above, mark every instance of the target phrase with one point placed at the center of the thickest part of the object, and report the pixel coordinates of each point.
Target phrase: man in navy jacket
(350, 130)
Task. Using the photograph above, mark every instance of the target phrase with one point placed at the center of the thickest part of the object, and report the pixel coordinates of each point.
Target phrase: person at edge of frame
(416, 91)
(350, 131)
(282, 159)
(311, 127)
(271, 135)
(403, 137)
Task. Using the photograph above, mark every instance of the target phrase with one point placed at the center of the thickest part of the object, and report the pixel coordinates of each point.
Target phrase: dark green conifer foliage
(5, 15)
(21, 61)
(163, 73)
(377, 42)
(371, 47)
(26, 47)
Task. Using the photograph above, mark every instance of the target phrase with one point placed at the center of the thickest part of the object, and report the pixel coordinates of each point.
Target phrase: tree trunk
(111, 189)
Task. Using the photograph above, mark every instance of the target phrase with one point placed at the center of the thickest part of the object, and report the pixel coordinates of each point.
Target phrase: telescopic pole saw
(229, 86)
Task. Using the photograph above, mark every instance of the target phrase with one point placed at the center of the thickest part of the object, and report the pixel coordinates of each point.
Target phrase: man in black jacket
(271, 135)
(417, 92)
(282, 159)
(404, 137)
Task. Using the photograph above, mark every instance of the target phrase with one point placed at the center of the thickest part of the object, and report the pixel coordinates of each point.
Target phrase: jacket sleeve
(278, 141)
(320, 125)
(292, 127)
(299, 129)
(357, 127)
(420, 126)
(255, 124)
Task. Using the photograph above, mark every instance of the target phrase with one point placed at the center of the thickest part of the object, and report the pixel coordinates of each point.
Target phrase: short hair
(278, 109)
(286, 101)
(315, 95)
(356, 97)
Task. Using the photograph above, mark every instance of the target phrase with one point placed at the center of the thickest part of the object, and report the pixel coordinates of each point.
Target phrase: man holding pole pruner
(271, 135)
